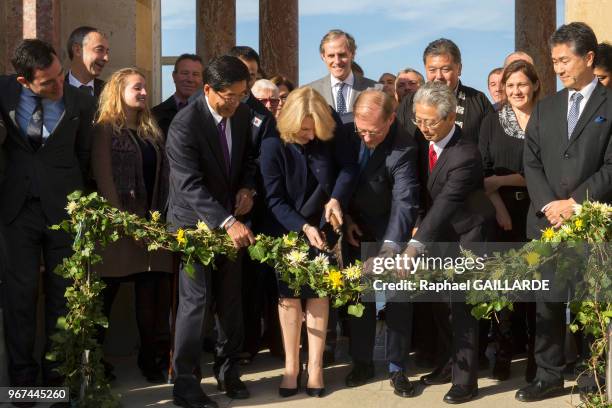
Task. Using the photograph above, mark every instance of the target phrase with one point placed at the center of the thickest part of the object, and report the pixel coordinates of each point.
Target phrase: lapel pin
(600, 119)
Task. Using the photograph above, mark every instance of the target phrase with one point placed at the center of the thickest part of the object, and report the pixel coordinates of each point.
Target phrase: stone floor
(263, 376)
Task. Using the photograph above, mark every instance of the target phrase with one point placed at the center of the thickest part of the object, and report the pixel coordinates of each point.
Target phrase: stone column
(278, 37)
(534, 22)
(21, 19)
(216, 27)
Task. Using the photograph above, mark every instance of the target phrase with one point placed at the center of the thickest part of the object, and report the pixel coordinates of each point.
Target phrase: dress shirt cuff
(229, 220)
(417, 244)
(546, 207)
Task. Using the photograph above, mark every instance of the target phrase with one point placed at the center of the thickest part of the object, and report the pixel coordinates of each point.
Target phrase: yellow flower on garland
(578, 224)
(532, 258)
(289, 241)
(180, 236)
(335, 279)
(71, 207)
(353, 272)
(155, 216)
(548, 234)
(201, 226)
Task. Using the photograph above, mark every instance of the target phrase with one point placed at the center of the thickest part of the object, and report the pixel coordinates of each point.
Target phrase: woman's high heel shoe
(315, 392)
(290, 392)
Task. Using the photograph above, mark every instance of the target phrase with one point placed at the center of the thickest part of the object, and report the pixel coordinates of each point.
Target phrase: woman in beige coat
(130, 170)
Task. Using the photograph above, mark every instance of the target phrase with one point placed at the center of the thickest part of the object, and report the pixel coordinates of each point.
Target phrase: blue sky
(391, 34)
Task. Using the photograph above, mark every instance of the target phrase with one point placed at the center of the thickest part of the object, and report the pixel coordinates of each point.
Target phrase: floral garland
(95, 224)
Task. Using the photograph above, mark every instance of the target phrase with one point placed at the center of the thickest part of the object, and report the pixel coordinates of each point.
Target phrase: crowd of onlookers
(402, 162)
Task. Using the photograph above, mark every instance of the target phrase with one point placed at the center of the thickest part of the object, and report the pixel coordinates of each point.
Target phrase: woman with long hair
(131, 172)
(307, 174)
(501, 142)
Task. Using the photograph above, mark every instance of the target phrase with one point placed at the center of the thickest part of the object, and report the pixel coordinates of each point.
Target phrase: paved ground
(263, 377)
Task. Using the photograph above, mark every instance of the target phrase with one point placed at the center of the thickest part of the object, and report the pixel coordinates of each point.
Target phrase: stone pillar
(596, 13)
(278, 38)
(216, 27)
(534, 22)
(21, 19)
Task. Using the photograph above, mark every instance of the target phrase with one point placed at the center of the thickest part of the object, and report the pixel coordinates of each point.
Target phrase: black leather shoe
(441, 375)
(201, 401)
(234, 388)
(501, 369)
(315, 392)
(401, 385)
(539, 390)
(459, 394)
(360, 374)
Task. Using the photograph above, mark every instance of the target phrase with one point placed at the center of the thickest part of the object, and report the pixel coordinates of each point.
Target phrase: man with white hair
(267, 93)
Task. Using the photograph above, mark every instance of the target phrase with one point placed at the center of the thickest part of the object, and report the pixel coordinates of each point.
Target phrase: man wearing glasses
(267, 93)
(456, 210)
(212, 177)
(383, 210)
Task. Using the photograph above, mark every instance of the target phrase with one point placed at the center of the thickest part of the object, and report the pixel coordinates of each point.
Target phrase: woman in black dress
(502, 137)
(307, 175)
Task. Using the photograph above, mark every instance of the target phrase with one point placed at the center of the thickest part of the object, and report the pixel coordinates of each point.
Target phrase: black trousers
(195, 296)
(27, 237)
(461, 332)
(399, 332)
(363, 334)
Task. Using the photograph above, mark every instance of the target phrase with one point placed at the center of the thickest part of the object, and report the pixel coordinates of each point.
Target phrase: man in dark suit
(212, 179)
(383, 209)
(187, 77)
(456, 210)
(568, 158)
(341, 87)
(88, 52)
(442, 60)
(3, 267)
(47, 152)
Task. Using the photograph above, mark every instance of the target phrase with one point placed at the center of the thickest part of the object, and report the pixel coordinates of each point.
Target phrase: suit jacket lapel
(212, 136)
(442, 160)
(327, 90)
(597, 98)
(12, 100)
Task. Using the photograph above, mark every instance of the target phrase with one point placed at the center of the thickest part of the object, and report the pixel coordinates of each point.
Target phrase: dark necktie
(574, 113)
(34, 132)
(87, 89)
(433, 157)
(223, 143)
(364, 157)
(340, 102)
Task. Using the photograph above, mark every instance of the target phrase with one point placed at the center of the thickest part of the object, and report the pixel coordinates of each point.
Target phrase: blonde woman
(131, 172)
(307, 176)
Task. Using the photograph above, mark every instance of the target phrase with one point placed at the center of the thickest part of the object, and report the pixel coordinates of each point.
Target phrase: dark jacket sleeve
(102, 165)
(2, 154)
(598, 187)
(484, 142)
(183, 150)
(84, 137)
(464, 177)
(405, 193)
(346, 160)
(273, 172)
(537, 183)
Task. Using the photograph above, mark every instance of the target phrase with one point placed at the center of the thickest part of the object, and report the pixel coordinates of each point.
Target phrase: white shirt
(586, 92)
(441, 144)
(347, 91)
(228, 126)
(76, 83)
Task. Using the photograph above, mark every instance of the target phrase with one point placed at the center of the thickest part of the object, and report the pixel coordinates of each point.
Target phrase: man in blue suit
(383, 210)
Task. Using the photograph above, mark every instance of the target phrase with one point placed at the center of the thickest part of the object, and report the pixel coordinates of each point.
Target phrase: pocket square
(600, 119)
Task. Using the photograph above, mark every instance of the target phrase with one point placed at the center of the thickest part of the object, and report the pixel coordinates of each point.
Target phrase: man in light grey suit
(341, 87)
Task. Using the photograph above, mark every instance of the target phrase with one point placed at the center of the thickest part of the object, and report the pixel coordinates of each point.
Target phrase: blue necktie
(574, 113)
(364, 157)
(34, 131)
(340, 102)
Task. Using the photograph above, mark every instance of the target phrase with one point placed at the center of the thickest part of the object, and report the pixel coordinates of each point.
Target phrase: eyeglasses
(370, 133)
(231, 98)
(426, 123)
(272, 101)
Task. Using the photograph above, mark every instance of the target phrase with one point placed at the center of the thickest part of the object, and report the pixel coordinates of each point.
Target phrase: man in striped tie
(568, 158)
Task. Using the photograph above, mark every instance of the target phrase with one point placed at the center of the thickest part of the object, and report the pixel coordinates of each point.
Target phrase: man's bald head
(517, 55)
(372, 102)
(374, 115)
